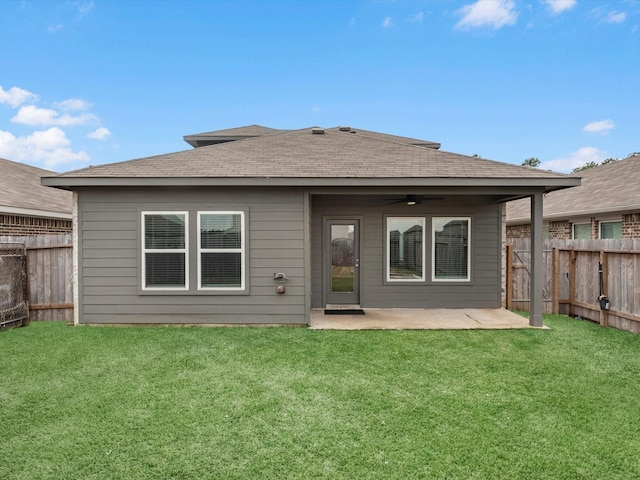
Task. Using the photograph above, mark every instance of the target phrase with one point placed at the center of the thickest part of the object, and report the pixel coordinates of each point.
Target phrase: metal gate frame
(14, 306)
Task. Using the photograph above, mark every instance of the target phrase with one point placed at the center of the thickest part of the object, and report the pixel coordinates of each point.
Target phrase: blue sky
(90, 82)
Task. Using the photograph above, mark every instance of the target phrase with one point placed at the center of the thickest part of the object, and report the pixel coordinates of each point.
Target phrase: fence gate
(518, 275)
(14, 309)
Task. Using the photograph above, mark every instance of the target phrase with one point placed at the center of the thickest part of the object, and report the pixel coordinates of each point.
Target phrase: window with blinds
(164, 247)
(451, 254)
(221, 251)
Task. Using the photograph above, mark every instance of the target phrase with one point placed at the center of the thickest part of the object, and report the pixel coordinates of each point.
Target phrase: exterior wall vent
(317, 131)
(345, 129)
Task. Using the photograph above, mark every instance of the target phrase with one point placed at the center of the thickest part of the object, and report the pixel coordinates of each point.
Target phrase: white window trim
(184, 250)
(388, 253)
(433, 251)
(241, 250)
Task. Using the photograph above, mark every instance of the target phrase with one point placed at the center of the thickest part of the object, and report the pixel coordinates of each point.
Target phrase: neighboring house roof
(316, 157)
(612, 187)
(21, 192)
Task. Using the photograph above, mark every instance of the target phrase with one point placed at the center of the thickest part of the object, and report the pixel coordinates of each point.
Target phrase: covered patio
(419, 319)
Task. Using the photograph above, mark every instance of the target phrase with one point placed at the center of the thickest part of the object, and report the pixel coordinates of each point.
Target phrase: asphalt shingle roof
(612, 187)
(20, 188)
(303, 154)
(248, 131)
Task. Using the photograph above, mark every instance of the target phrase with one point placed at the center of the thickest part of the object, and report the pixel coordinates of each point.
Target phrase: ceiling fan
(414, 199)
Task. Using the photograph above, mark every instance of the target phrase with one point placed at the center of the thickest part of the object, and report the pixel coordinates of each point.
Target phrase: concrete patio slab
(419, 319)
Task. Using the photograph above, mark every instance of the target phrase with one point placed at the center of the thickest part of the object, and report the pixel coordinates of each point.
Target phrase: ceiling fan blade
(413, 199)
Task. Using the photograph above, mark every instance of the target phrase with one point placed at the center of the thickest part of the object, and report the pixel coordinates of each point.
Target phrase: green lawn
(260, 403)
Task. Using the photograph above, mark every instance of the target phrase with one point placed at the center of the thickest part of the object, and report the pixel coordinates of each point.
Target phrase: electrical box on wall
(280, 279)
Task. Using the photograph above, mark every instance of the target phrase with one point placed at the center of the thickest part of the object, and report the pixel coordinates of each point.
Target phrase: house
(260, 226)
(605, 205)
(27, 207)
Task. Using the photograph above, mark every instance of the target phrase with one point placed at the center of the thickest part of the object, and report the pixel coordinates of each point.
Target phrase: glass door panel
(342, 260)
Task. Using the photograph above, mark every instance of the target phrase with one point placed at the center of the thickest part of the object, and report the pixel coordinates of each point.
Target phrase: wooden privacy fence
(49, 274)
(576, 273)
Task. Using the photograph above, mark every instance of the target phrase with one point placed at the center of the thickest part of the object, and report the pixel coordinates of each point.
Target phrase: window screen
(221, 250)
(164, 250)
(451, 248)
(581, 231)
(611, 230)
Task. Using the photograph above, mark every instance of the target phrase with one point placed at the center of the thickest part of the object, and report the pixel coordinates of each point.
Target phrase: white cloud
(32, 115)
(73, 105)
(491, 13)
(84, 8)
(416, 18)
(99, 134)
(71, 11)
(16, 96)
(601, 126)
(386, 23)
(55, 28)
(47, 144)
(49, 148)
(576, 159)
(604, 16)
(615, 17)
(559, 6)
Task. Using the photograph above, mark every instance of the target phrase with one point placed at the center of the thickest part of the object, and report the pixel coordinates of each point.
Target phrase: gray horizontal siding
(119, 289)
(196, 302)
(110, 256)
(186, 319)
(483, 291)
(110, 260)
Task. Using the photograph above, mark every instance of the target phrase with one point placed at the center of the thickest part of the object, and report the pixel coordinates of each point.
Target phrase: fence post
(572, 283)
(509, 277)
(604, 316)
(555, 282)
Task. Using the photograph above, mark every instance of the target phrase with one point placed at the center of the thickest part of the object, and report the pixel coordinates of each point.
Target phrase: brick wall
(22, 225)
(631, 225)
(595, 228)
(519, 231)
(561, 229)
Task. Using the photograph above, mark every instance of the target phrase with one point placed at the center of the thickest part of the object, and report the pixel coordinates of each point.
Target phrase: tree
(531, 162)
(592, 164)
(586, 166)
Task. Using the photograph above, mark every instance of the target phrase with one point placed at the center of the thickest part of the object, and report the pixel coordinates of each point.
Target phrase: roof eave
(542, 184)
(577, 213)
(203, 140)
(34, 212)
